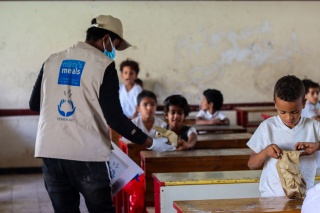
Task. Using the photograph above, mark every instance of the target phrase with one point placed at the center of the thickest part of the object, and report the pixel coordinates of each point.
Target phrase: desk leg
(244, 119)
(239, 118)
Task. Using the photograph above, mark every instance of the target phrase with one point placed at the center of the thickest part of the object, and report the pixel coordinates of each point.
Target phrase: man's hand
(308, 147)
(160, 145)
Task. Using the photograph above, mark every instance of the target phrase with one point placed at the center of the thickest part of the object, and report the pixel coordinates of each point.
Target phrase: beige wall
(241, 48)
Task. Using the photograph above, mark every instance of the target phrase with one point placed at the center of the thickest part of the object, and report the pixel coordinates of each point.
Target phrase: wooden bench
(208, 141)
(219, 129)
(169, 187)
(243, 112)
(191, 161)
(240, 205)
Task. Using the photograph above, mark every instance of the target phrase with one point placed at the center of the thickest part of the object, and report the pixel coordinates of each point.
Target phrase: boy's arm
(183, 145)
(308, 147)
(192, 140)
(257, 159)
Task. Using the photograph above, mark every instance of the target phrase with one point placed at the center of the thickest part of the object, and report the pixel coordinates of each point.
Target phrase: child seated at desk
(287, 131)
(147, 105)
(210, 105)
(312, 108)
(176, 109)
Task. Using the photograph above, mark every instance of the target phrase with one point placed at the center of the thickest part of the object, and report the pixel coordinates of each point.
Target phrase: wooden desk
(208, 141)
(191, 161)
(256, 205)
(219, 129)
(242, 114)
(222, 141)
(169, 187)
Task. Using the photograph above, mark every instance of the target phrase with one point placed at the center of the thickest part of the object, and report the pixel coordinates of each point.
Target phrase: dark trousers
(65, 179)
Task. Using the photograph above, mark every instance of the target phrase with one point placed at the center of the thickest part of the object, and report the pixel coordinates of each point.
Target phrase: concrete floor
(26, 194)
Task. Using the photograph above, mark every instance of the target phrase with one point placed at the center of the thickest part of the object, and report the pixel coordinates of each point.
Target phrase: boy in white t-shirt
(147, 105)
(285, 132)
(210, 105)
(312, 108)
(129, 91)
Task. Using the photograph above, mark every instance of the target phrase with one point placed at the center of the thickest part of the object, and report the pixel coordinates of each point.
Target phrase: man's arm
(34, 102)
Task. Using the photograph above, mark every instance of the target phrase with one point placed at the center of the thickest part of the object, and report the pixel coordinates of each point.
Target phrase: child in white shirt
(147, 105)
(287, 131)
(210, 105)
(176, 109)
(312, 108)
(129, 91)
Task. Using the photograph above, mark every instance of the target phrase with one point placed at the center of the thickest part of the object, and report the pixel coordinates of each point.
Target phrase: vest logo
(66, 108)
(70, 72)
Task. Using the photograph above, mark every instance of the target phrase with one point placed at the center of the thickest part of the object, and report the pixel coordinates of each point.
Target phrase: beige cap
(114, 25)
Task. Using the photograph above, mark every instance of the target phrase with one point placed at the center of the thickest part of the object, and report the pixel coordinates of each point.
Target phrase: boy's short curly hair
(309, 84)
(130, 63)
(289, 88)
(214, 96)
(176, 100)
(146, 94)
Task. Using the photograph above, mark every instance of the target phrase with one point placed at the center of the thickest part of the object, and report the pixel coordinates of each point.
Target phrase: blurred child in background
(312, 108)
(176, 109)
(147, 105)
(129, 90)
(210, 105)
(139, 82)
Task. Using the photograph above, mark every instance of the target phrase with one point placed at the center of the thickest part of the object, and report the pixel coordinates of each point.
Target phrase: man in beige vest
(77, 95)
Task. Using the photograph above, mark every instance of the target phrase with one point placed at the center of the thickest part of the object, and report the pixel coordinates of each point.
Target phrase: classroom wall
(241, 48)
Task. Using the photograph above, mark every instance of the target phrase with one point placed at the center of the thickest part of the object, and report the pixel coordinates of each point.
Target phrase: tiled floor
(26, 194)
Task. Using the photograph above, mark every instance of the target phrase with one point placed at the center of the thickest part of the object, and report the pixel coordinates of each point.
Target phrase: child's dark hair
(309, 84)
(214, 96)
(129, 63)
(139, 81)
(96, 33)
(289, 88)
(176, 100)
(144, 94)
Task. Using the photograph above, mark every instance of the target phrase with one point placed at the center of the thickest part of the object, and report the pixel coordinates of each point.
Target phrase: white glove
(160, 145)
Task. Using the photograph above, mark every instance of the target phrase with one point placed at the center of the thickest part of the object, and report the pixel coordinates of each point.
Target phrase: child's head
(311, 91)
(139, 82)
(147, 104)
(176, 108)
(212, 100)
(129, 71)
(289, 99)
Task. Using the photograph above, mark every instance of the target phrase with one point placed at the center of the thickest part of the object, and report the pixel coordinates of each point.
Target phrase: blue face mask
(111, 54)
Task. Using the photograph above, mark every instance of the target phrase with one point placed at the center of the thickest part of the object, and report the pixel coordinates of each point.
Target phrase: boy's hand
(182, 145)
(308, 147)
(273, 151)
(160, 145)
